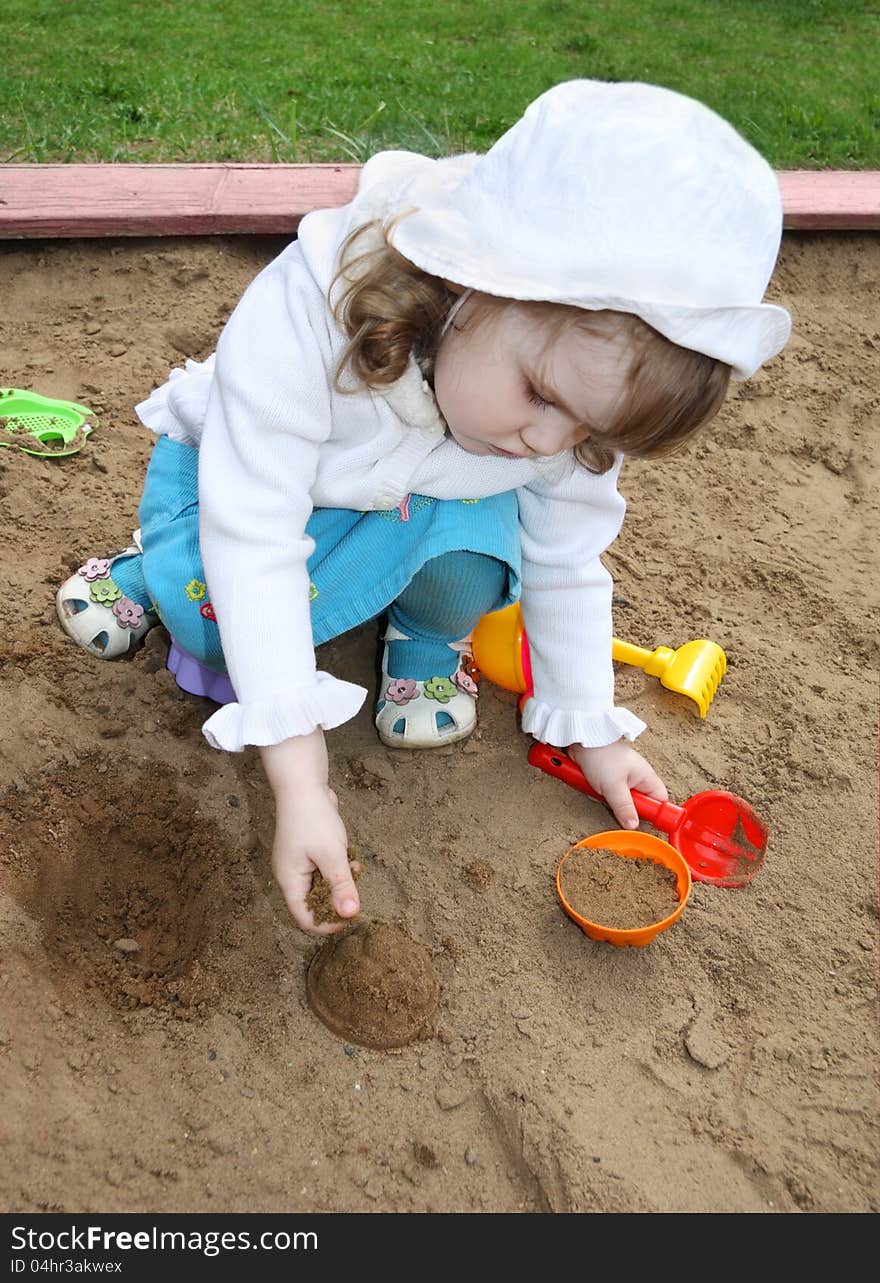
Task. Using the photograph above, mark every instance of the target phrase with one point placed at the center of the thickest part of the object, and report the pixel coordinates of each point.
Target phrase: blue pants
(436, 565)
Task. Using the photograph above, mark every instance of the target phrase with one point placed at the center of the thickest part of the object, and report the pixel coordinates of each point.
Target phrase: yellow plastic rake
(694, 669)
(501, 651)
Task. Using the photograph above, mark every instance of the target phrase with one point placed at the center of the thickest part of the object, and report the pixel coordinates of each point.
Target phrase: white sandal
(96, 614)
(428, 714)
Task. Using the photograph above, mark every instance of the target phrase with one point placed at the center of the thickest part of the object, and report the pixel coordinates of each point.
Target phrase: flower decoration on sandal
(401, 690)
(128, 613)
(468, 665)
(465, 682)
(95, 568)
(439, 688)
(105, 592)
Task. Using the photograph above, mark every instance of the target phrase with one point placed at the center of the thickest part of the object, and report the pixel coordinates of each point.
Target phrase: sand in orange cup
(633, 845)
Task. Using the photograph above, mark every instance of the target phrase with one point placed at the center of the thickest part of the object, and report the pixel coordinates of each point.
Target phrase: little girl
(419, 410)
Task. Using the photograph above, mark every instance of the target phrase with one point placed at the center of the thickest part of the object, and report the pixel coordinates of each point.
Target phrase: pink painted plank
(165, 200)
(54, 201)
(831, 199)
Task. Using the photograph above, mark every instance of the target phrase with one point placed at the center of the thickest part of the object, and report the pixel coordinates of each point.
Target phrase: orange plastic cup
(633, 845)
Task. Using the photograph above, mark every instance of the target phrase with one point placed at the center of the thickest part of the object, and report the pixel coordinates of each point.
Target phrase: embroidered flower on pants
(196, 590)
(128, 613)
(465, 682)
(95, 568)
(105, 592)
(439, 688)
(401, 690)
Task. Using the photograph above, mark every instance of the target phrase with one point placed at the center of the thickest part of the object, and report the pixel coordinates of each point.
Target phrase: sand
(157, 1050)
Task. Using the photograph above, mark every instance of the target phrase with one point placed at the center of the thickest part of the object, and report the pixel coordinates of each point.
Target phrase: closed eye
(535, 396)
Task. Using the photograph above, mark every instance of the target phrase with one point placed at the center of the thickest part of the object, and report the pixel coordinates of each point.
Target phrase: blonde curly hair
(391, 310)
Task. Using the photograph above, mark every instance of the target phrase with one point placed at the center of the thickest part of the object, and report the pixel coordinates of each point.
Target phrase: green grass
(283, 80)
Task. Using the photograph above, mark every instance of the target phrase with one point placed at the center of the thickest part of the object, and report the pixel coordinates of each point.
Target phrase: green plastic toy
(50, 427)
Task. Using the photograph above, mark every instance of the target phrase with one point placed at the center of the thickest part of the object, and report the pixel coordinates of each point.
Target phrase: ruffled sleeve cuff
(594, 730)
(328, 702)
(177, 408)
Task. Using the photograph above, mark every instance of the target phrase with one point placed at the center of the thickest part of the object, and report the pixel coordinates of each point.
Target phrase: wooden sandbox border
(71, 201)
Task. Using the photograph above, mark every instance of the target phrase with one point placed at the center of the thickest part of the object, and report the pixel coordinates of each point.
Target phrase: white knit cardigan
(276, 439)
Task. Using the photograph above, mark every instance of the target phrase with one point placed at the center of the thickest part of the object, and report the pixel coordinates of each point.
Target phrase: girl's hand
(309, 832)
(309, 835)
(615, 769)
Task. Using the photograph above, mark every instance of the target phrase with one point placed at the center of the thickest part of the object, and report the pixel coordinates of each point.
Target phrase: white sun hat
(616, 195)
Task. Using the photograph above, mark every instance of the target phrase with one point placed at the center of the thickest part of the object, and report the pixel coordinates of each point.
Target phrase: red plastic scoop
(723, 840)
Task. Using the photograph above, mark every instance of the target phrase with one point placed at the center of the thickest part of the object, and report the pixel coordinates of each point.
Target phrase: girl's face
(502, 393)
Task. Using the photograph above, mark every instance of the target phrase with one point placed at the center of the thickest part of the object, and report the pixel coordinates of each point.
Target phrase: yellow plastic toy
(501, 651)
